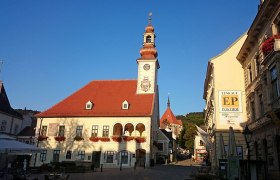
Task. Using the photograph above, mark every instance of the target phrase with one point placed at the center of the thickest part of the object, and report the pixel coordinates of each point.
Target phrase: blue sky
(51, 48)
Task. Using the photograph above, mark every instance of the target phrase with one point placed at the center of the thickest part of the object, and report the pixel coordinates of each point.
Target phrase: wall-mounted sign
(230, 101)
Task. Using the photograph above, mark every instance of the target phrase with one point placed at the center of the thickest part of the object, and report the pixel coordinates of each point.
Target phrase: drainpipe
(37, 144)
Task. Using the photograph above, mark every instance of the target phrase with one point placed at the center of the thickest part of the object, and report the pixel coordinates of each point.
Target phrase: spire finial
(168, 101)
(150, 18)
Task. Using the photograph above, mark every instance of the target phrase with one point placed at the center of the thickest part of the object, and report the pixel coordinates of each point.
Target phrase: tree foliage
(187, 135)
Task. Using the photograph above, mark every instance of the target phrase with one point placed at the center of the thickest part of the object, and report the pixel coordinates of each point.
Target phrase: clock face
(146, 67)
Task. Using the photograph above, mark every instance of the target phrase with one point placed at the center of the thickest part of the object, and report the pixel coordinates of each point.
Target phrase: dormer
(125, 105)
(89, 105)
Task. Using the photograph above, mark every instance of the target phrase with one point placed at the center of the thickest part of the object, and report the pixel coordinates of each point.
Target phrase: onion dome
(148, 51)
(149, 29)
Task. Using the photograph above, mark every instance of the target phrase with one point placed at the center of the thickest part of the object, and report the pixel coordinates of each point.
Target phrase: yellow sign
(230, 101)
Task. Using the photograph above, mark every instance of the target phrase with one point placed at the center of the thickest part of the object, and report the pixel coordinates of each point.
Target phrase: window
(61, 131)
(148, 39)
(201, 143)
(257, 60)
(81, 155)
(68, 154)
(44, 130)
(253, 112)
(274, 83)
(105, 131)
(160, 146)
(56, 155)
(79, 131)
(94, 131)
(43, 155)
(125, 105)
(261, 105)
(89, 105)
(3, 125)
(109, 156)
(250, 75)
(16, 129)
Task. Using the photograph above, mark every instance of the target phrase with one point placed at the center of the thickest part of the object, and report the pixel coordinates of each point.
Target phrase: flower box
(268, 45)
(140, 139)
(60, 138)
(104, 139)
(78, 138)
(128, 138)
(117, 138)
(94, 139)
(42, 138)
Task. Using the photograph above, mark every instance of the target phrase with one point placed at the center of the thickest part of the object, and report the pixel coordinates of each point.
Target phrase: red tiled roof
(170, 117)
(107, 97)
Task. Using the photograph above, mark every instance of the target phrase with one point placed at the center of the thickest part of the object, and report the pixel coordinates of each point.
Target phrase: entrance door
(124, 158)
(96, 159)
(56, 155)
(140, 157)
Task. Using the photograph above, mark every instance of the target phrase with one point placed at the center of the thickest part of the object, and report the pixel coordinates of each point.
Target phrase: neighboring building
(169, 122)
(10, 119)
(260, 59)
(109, 122)
(225, 101)
(164, 146)
(200, 151)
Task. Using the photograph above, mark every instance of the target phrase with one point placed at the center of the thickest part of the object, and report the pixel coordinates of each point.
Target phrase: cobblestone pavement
(182, 170)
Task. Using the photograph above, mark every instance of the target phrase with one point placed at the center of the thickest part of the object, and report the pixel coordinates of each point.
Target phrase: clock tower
(148, 63)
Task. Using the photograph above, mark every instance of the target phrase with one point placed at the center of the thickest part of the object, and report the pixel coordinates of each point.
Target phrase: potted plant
(78, 138)
(60, 138)
(268, 45)
(94, 139)
(104, 139)
(117, 138)
(42, 138)
(140, 139)
(128, 138)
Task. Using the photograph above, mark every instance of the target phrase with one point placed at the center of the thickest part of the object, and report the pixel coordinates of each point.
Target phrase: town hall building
(112, 123)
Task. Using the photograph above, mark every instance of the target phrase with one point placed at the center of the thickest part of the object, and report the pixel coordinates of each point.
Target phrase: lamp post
(248, 135)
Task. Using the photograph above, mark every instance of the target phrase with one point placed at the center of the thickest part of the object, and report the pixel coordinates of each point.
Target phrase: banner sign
(230, 101)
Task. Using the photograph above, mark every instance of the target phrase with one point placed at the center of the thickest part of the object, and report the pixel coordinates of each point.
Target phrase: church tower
(148, 64)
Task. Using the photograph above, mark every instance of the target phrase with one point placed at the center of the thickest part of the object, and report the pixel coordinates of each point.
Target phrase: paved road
(179, 171)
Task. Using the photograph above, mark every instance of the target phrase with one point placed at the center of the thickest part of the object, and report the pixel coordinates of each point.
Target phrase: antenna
(150, 17)
(1, 64)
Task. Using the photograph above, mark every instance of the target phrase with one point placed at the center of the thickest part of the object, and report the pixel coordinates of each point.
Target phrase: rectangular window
(61, 131)
(56, 155)
(250, 75)
(81, 155)
(253, 112)
(68, 154)
(3, 125)
(261, 105)
(160, 146)
(43, 155)
(274, 83)
(109, 157)
(124, 157)
(16, 129)
(257, 60)
(105, 131)
(79, 131)
(94, 131)
(44, 131)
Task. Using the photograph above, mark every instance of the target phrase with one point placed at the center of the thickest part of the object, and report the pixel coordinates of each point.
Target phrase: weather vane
(150, 17)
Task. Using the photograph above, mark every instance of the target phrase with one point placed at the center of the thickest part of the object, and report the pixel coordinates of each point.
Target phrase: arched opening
(128, 129)
(256, 150)
(148, 39)
(140, 128)
(117, 130)
(140, 157)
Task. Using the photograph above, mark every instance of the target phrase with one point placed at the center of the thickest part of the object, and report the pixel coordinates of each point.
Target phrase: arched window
(148, 39)
(140, 127)
(128, 128)
(117, 130)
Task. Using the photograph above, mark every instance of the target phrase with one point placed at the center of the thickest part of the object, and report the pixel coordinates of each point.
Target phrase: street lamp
(248, 135)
